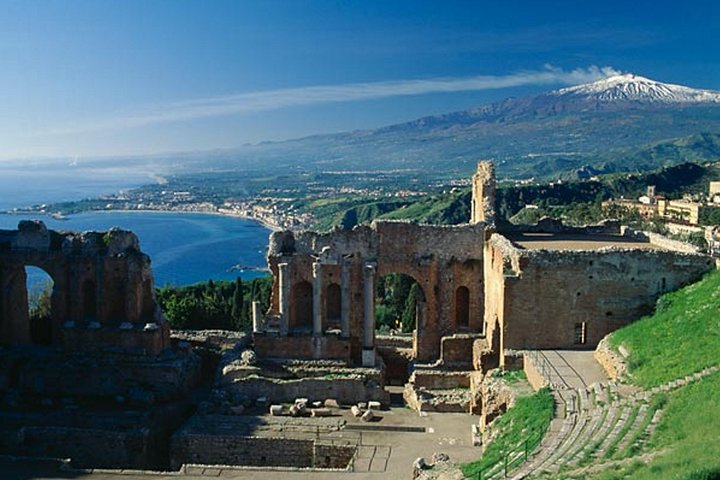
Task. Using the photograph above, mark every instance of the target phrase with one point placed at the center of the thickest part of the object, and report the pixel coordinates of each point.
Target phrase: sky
(81, 79)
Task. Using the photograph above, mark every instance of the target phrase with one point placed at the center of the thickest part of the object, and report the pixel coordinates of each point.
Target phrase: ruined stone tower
(483, 193)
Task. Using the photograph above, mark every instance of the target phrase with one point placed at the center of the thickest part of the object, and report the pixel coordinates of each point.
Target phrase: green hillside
(681, 338)
(577, 201)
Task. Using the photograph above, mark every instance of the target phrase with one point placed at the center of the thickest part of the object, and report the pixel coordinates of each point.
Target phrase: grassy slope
(528, 419)
(681, 338)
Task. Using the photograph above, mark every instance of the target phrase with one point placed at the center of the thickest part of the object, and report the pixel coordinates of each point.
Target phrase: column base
(368, 357)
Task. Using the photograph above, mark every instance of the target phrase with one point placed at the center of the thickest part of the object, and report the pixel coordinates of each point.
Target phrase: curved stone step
(582, 422)
(624, 413)
(594, 442)
(625, 442)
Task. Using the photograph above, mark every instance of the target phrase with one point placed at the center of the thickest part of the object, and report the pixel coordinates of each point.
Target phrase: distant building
(685, 211)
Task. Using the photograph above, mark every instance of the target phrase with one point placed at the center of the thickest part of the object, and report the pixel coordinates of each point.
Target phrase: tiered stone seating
(597, 426)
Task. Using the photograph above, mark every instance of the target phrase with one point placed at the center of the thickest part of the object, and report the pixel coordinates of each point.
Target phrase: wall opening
(89, 294)
(301, 306)
(580, 333)
(333, 306)
(397, 297)
(40, 287)
(462, 307)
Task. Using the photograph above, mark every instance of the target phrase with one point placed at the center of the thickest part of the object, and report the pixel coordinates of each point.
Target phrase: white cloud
(311, 95)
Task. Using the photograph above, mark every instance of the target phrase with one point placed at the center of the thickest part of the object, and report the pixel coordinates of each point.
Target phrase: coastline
(273, 227)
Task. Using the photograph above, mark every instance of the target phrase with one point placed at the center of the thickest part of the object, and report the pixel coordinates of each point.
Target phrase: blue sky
(87, 78)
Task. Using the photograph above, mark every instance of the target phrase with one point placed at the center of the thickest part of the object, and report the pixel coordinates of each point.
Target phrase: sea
(184, 248)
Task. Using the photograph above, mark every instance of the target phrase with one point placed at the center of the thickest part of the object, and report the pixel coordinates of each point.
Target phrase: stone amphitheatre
(314, 390)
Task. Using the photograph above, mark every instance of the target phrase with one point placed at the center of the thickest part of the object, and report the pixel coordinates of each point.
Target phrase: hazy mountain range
(604, 126)
(597, 124)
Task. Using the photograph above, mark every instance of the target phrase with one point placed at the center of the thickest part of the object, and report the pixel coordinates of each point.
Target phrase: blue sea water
(184, 248)
(23, 187)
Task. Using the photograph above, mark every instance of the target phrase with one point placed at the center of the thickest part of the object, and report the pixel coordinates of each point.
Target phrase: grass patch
(687, 434)
(528, 419)
(682, 337)
(510, 376)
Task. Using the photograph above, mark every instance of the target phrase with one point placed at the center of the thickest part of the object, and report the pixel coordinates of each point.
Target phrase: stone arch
(420, 310)
(301, 306)
(333, 306)
(40, 297)
(462, 307)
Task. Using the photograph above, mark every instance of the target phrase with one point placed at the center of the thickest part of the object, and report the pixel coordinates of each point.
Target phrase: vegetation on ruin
(510, 376)
(681, 337)
(221, 305)
(527, 421)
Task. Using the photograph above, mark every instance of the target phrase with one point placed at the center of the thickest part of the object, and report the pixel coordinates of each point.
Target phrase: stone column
(368, 355)
(317, 299)
(258, 326)
(284, 281)
(345, 300)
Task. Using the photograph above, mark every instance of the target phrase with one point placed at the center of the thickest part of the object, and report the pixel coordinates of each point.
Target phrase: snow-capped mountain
(539, 135)
(634, 88)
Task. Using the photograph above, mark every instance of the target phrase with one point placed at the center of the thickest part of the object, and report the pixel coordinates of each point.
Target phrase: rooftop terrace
(568, 241)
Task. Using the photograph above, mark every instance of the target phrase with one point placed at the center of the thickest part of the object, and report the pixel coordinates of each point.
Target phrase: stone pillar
(483, 194)
(258, 326)
(317, 299)
(368, 354)
(284, 281)
(345, 300)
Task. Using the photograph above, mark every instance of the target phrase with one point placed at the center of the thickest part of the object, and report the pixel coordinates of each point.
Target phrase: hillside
(540, 136)
(681, 338)
(566, 198)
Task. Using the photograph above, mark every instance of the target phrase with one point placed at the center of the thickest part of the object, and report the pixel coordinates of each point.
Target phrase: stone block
(276, 410)
(320, 412)
(332, 403)
(374, 405)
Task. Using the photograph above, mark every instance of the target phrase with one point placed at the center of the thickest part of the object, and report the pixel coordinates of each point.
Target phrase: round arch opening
(399, 300)
(39, 286)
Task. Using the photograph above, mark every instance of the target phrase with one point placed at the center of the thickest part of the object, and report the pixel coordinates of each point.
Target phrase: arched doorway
(39, 285)
(462, 307)
(301, 306)
(399, 309)
(333, 306)
(397, 297)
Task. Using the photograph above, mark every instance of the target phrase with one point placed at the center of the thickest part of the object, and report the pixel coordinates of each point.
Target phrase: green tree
(409, 313)
(238, 304)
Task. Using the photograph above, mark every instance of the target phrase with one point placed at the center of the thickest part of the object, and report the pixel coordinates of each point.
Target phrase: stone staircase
(593, 425)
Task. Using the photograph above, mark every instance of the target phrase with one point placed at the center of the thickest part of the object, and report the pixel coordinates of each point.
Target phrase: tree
(410, 311)
(238, 304)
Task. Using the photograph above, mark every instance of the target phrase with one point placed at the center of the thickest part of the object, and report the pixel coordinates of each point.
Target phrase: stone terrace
(566, 241)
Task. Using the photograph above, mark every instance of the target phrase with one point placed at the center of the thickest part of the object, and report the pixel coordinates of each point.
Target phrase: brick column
(368, 354)
(258, 322)
(317, 299)
(284, 281)
(345, 300)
